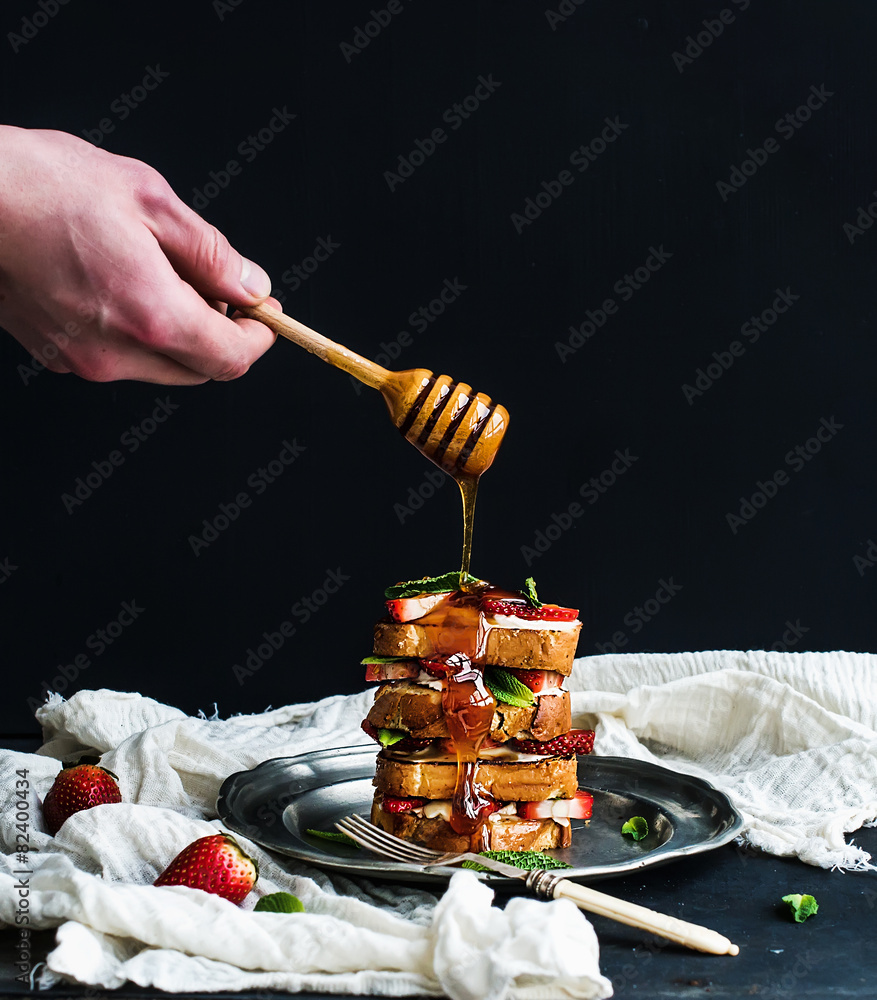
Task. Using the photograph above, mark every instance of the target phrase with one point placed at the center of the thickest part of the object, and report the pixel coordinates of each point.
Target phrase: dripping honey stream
(460, 431)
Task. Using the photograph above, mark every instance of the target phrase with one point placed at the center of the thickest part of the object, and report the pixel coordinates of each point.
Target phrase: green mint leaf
(507, 688)
(279, 902)
(384, 659)
(636, 827)
(802, 906)
(428, 585)
(390, 736)
(527, 860)
(336, 835)
(530, 593)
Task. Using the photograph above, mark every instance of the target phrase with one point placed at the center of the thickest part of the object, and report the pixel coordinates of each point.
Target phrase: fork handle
(680, 931)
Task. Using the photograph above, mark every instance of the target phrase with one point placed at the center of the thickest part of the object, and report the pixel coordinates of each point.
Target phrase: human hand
(105, 273)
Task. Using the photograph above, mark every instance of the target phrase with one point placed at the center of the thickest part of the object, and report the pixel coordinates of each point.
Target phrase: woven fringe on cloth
(790, 738)
(93, 880)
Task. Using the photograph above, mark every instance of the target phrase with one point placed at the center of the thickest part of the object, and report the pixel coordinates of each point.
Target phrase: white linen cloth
(791, 738)
(94, 878)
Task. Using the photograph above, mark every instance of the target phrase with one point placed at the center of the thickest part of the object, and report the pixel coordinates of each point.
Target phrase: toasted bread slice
(417, 710)
(516, 778)
(504, 833)
(524, 648)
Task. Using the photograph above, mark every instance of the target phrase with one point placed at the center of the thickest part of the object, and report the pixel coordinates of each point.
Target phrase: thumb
(203, 257)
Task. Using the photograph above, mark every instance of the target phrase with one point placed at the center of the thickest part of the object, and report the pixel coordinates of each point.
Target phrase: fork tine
(691, 935)
(373, 844)
(451, 858)
(363, 841)
(389, 839)
(368, 838)
(375, 839)
(382, 842)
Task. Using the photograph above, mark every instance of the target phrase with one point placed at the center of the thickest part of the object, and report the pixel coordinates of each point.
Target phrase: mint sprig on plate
(336, 835)
(636, 827)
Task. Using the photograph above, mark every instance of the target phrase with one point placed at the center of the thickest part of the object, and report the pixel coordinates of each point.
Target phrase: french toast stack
(477, 751)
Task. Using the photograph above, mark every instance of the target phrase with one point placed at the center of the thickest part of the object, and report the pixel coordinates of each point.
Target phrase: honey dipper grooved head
(457, 429)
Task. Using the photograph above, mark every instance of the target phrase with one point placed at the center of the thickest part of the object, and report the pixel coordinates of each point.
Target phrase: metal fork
(545, 884)
(378, 840)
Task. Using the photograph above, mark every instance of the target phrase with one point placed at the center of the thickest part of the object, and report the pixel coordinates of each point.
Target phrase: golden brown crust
(532, 649)
(417, 710)
(552, 720)
(507, 781)
(524, 649)
(413, 707)
(505, 833)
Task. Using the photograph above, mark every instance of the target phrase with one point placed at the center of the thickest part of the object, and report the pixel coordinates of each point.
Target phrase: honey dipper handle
(325, 349)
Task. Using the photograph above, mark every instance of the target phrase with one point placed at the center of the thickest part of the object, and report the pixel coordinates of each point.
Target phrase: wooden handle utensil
(457, 429)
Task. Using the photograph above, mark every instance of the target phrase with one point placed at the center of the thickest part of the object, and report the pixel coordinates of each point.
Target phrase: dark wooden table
(738, 893)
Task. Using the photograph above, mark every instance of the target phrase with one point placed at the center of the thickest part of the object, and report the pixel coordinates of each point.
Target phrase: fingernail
(254, 279)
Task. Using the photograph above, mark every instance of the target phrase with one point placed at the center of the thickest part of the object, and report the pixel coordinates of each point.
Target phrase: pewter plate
(275, 803)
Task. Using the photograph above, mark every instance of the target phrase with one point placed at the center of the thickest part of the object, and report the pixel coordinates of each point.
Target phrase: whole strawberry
(78, 786)
(215, 864)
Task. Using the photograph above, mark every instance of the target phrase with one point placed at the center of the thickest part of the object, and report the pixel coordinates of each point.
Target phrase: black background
(785, 579)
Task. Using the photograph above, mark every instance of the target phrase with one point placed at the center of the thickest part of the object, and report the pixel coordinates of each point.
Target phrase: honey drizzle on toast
(460, 640)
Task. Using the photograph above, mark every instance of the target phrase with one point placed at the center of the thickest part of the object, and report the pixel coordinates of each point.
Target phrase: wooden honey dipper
(458, 430)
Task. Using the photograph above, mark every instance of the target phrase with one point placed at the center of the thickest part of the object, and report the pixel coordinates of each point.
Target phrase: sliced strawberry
(391, 671)
(407, 609)
(437, 668)
(489, 805)
(393, 805)
(520, 609)
(441, 666)
(578, 807)
(576, 741)
(539, 680)
(370, 730)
